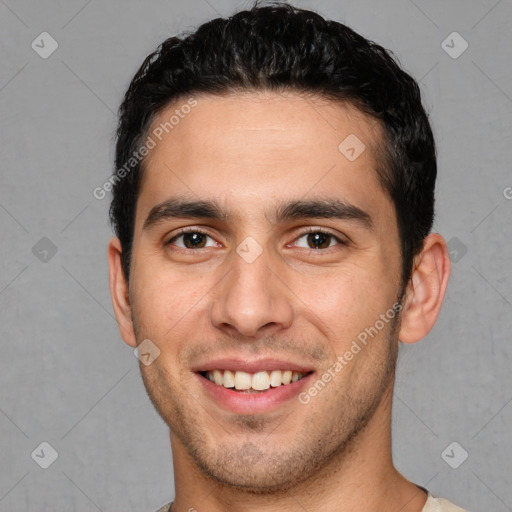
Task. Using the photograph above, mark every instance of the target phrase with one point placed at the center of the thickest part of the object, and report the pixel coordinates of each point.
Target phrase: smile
(252, 382)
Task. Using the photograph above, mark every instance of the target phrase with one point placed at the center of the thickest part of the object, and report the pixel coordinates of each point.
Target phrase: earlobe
(426, 289)
(119, 293)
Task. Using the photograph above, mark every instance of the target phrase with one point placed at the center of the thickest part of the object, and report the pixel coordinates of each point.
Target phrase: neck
(360, 477)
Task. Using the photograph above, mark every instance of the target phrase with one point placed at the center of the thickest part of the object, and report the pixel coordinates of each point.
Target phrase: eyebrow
(293, 210)
(322, 209)
(183, 209)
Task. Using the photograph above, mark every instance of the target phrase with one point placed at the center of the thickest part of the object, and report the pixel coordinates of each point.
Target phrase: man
(273, 202)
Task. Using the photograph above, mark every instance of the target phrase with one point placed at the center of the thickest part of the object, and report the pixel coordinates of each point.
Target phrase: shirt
(433, 504)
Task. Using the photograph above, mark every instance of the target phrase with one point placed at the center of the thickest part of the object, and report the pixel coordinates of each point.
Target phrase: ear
(426, 289)
(119, 293)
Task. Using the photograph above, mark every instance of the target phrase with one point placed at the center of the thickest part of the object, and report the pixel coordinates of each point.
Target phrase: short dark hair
(280, 47)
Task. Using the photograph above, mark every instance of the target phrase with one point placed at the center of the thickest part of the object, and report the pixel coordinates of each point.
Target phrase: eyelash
(307, 232)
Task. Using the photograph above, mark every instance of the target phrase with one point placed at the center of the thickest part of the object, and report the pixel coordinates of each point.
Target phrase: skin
(249, 152)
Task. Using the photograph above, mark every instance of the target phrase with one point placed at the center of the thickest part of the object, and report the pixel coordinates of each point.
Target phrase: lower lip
(253, 403)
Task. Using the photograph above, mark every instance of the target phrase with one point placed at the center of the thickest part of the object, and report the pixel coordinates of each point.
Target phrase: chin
(253, 480)
(252, 470)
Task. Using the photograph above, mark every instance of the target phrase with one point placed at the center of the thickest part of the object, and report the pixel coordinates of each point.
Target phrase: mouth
(249, 383)
(257, 387)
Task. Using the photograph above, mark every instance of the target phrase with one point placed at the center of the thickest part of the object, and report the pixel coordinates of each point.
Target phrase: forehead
(246, 148)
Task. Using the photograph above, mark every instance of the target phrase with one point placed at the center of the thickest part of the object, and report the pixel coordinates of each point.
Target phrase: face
(291, 255)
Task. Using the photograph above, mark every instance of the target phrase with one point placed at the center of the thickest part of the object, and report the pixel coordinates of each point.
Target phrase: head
(298, 156)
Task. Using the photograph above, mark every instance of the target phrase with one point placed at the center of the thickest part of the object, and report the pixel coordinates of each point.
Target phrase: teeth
(286, 377)
(259, 381)
(243, 380)
(275, 378)
(229, 379)
(217, 377)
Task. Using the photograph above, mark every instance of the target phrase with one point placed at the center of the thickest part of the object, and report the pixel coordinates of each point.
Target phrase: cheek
(165, 299)
(345, 303)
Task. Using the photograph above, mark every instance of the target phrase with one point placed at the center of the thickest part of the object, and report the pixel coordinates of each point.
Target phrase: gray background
(67, 378)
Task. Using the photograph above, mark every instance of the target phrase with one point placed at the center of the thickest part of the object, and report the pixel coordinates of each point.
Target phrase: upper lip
(251, 366)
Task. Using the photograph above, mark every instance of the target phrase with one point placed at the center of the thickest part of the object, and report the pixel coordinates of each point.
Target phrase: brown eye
(194, 240)
(318, 240)
(191, 240)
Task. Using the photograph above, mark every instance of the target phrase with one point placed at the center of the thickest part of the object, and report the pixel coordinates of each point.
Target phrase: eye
(191, 239)
(314, 239)
(318, 239)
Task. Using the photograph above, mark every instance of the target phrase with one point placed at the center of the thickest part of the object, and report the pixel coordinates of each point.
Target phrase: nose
(252, 300)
